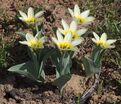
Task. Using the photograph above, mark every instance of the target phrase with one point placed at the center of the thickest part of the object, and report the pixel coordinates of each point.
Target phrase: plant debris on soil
(16, 89)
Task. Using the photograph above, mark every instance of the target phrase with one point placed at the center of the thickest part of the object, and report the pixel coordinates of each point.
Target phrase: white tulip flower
(33, 42)
(72, 29)
(66, 43)
(83, 17)
(102, 41)
(30, 17)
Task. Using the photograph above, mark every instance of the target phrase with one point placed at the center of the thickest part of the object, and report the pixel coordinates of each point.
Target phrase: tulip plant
(36, 50)
(62, 58)
(30, 17)
(72, 29)
(83, 17)
(65, 45)
(93, 64)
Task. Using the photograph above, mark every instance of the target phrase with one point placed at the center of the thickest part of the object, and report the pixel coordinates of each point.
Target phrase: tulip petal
(103, 37)
(76, 10)
(29, 37)
(111, 46)
(65, 25)
(39, 14)
(23, 42)
(77, 41)
(74, 49)
(96, 36)
(30, 12)
(21, 18)
(42, 39)
(81, 31)
(73, 26)
(61, 30)
(68, 37)
(71, 12)
(54, 40)
(85, 13)
(111, 41)
(23, 14)
(59, 36)
(93, 39)
(90, 19)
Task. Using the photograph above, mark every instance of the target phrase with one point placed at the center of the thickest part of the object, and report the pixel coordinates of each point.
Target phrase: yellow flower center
(35, 44)
(80, 18)
(64, 45)
(74, 34)
(103, 44)
(31, 20)
(100, 42)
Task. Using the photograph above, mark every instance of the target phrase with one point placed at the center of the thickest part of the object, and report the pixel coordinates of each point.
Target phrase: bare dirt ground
(19, 90)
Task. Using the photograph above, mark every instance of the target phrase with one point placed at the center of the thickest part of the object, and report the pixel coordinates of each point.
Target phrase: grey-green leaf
(61, 81)
(23, 34)
(89, 66)
(24, 69)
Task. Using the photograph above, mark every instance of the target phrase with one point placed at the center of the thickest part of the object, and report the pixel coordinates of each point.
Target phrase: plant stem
(89, 93)
(37, 29)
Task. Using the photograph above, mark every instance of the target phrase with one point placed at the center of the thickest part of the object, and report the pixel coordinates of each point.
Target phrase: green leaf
(61, 81)
(38, 28)
(119, 81)
(97, 56)
(38, 63)
(45, 54)
(57, 73)
(55, 57)
(62, 61)
(65, 64)
(27, 69)
(118, 59)
(41, 73)
(24, 69)
(89, 66)
(34, 59)
(119, 62)
(23, 34)
(39, 57)
(96, 53)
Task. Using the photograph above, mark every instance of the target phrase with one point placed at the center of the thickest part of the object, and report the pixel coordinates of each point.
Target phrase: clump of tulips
(66, 44)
